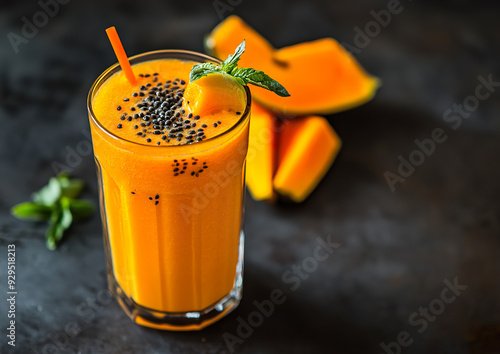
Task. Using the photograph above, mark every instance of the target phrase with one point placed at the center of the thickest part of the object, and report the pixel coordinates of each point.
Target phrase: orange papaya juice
(172, 192)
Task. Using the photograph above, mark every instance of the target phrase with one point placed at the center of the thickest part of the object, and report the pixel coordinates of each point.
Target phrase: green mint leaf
(243, 76)
(31, 211)
(80, 208)
(57, 204)
(57, 187)
(52, 234)
(49, 194)
(60, 221)
(70, 187)
(67, 216)
(240, 81)
(232, 60)
(259, 78)
(200, 70)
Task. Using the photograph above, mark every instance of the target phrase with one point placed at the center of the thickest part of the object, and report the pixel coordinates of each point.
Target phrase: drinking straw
(120, 54)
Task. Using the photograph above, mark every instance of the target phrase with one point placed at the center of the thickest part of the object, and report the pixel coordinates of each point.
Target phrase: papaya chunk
(321, 76)
(261, 159)
(307, 148)
(214, 93)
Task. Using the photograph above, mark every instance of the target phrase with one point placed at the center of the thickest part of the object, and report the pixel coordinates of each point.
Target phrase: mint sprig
(56, 203)
(243, 76)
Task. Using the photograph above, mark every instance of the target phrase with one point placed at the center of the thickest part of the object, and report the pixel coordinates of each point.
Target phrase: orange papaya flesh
(307, 148)
(214, 93)
(321, 76)
(261, 157)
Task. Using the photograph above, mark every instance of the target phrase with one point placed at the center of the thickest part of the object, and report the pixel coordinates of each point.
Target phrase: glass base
(182, 321)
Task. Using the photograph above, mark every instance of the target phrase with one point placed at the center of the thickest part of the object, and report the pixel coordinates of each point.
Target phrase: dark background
(397, 248)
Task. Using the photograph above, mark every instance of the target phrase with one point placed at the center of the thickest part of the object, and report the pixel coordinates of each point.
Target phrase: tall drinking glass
(173, 241)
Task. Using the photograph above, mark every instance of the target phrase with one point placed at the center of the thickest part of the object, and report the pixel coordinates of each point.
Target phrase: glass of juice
(171, 186)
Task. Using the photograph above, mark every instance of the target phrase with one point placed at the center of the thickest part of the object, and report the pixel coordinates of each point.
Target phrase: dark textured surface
(396, 249)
